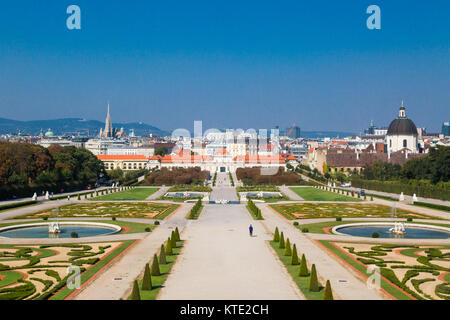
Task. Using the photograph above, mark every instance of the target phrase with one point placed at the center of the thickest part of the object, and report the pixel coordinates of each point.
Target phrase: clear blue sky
(229, 63)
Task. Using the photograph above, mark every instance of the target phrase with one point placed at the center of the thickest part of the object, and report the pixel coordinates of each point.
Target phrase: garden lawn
(344, 210)
(302, 282)
(150, 210)
(313, 194)
(127, 195)
(65, 292)
(158, 281)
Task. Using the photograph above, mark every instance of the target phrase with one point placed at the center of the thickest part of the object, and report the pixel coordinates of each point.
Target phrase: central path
(221, 261)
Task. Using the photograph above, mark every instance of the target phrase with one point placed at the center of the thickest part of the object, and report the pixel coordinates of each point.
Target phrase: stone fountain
(53, 226)
(399, 228)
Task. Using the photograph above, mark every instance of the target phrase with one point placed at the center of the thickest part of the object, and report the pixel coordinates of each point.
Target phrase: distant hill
(323, 134)
(73, 126)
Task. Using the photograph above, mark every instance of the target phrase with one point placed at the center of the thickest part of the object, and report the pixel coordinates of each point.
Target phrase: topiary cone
(328, 294)
(313, 282)
(287, 248)
(168, 247)
(135, 295)
(294, 260)
(276, 236)
(303, 270)
(177, 233)
(281, 245)
(173, 240)
(162, 255)
(147, 280)
(155, 266)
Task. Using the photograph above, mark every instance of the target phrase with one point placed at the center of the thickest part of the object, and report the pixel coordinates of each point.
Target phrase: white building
(402, 133)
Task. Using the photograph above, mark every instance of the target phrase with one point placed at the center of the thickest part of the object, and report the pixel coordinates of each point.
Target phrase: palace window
(405, 143)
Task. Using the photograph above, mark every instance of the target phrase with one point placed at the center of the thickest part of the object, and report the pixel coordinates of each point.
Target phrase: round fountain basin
(40, 230)
(413, 231)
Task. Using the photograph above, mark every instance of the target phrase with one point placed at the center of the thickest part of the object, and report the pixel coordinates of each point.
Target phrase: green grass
(302, 282)
(294, 211)
(22, 204)
(432, 206)
(10, 277)
(127, 195)
(313, 194)
(158, 281)
(394, 291)
(188, 187)
(270, 188)
(153, 210)
(63, 293)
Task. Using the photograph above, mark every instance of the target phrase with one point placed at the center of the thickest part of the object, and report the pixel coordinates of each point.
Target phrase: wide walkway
(289, 193)
(221, 261)
(346, 285)
(116, 282)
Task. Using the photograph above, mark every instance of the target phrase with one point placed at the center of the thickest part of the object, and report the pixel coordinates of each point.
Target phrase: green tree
(135, 295)
(276, 236)
(161, 151)
(294, 259)
(162, 255)
(147, 280)
(287, 248)
(328, 294)
(313, 282)
(173, 240)
(177, 233)
(155, 266)
(281, 244)
(169, 247)
(303, 270)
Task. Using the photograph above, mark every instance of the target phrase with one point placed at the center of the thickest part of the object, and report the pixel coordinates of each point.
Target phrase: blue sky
(229, 63)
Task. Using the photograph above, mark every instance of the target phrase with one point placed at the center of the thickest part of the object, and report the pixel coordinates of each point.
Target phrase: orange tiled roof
(129, 157)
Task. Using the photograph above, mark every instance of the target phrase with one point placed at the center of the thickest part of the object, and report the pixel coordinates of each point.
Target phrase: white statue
(398, 228)
(415, 198)
(53, 227)
(402, 197)
(34, 197)
(47, 197)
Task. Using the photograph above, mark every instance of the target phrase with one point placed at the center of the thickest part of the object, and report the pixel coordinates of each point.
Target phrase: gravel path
(289, 193)
(221, 261)
(129, 266)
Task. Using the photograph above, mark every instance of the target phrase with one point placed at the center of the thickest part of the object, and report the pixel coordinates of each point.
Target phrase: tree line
(177, 175)
(27, 168)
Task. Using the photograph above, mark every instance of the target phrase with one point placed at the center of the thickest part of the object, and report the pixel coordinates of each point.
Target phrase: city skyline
(230, 66)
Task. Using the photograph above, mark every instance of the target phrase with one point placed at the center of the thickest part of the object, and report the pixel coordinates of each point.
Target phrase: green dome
(49, 133)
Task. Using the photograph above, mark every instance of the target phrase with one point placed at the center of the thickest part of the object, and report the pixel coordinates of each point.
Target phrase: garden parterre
(150, 210)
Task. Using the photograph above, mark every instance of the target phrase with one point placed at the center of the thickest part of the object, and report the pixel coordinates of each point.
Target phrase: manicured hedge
(16, 205)
(432, 205)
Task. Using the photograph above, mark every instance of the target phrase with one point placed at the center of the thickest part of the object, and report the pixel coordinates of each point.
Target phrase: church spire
(402, 111)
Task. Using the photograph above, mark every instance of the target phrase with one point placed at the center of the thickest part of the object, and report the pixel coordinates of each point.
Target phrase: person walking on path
(251, 230)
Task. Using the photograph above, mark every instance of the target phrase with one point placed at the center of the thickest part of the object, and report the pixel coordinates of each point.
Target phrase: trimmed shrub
(113, 218)
(375, 235)
(74, 235)
(135, 295)
(294, 259)
(155, 266)
(313, 282)
(162, 255)
(177, 234)
(168, 247)
(148, 229)
(287, 248)
(305, 230)
(409, 219)
(303, 270)
(147, 280)
(276, 236)
(173, 240)
(338, 219)
(281, 244)
(156, 223)
(295, 223)
(328, 294)
(78, 197)
(45, 218)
